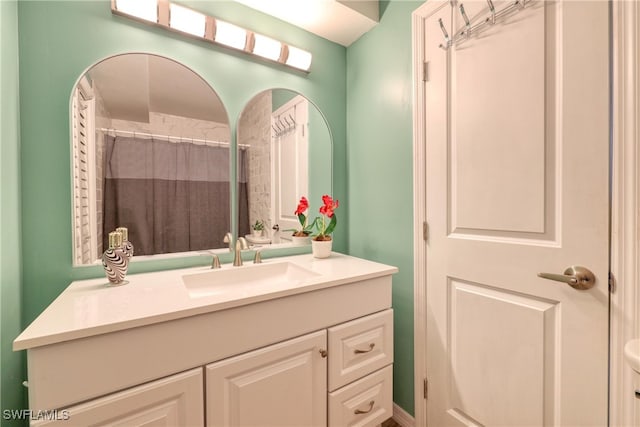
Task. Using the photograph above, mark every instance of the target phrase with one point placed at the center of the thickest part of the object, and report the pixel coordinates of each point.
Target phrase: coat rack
(281, 127)
(469, 29)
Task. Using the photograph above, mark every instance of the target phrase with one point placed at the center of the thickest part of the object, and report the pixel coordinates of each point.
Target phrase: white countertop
(92, 307)
(632, 354)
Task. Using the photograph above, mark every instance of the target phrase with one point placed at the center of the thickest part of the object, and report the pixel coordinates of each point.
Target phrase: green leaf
(332, 225)
(302, 219)
(310, 227)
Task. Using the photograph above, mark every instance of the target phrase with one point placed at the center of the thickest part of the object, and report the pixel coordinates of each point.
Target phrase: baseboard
(402, 417)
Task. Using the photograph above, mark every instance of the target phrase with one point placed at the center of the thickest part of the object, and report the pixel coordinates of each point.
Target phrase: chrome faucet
(215, 262)
(237, 248)
(241, 244)
(228, 238)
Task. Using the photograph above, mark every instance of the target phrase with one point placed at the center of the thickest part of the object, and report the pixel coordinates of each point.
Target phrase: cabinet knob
(323, 352)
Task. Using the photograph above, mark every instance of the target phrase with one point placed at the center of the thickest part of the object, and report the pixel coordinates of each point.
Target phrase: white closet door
(517, 184)
(290, 173)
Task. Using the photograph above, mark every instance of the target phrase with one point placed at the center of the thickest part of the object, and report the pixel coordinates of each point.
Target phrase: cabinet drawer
(366, 402)
(360, 347)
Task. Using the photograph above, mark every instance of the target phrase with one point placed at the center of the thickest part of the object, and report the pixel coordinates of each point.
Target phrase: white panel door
(290, 155)
(281, 385)
(517, 184)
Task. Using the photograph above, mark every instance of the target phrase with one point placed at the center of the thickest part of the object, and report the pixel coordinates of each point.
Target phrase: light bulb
(267, 47)
(187, 20)
(299, 58)
(143, 9)
(230, 35)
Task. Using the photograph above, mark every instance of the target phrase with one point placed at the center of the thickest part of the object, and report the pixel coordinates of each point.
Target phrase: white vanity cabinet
(290, 383)
(316, 353)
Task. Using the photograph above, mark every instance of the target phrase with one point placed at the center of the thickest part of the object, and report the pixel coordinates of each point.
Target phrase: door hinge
(426, 388)
(425, 231)
(425, 71)
(612, 283)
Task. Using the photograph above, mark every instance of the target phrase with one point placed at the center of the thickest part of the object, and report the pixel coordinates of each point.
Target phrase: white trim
(402, 417)
(625, 223)
(419, 213)
(418, 18)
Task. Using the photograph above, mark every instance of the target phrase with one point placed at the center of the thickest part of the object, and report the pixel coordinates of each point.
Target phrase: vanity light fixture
(168, 15)
(141, 9)
(187, 20)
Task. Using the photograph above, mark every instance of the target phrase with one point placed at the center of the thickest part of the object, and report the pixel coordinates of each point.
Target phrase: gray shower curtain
(173, 197)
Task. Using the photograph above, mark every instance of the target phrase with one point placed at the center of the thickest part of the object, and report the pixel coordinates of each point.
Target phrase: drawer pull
(323, 352)
(358, 411)
(356, 351)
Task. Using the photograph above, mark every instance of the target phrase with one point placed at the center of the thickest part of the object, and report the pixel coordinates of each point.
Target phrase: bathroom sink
(247, 279)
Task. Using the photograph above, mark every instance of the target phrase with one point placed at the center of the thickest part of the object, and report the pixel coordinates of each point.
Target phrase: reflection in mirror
(150, 143)
(284, 153)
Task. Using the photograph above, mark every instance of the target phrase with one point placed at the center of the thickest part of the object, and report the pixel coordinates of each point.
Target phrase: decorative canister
(127, 246)
(114, 260)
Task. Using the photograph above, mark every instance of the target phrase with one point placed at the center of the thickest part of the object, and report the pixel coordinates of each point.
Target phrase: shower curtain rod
(169, 137)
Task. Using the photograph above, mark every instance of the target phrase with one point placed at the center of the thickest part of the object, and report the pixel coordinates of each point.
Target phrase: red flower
(329, 206)
(303, 205)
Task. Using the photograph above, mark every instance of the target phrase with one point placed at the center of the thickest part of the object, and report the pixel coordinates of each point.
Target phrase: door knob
(577, 277)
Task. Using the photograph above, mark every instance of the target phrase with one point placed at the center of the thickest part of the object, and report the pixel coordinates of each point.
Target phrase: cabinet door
(281, 385)
(173, 401)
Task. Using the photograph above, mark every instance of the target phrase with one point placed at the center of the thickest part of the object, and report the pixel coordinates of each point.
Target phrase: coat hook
(444, 46)
(288, 124)
(492, 9)
(292, 119)
(467, 23)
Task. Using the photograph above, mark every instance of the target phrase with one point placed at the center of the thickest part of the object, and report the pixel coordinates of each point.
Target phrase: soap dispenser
(114, 260)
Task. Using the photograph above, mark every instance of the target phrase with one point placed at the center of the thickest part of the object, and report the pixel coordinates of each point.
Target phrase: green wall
(11, 390)
(379, 152)
(60, 40)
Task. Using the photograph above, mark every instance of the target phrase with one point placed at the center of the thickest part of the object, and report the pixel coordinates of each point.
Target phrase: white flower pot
(256, 233)
(321, 249)
(300, 240)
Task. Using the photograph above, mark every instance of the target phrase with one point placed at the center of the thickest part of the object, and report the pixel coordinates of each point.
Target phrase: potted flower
(258, 228)
(300, 235)
(322, 242)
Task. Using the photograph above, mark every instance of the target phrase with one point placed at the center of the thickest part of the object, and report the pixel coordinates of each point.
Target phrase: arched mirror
(150, 142)
(284, 153)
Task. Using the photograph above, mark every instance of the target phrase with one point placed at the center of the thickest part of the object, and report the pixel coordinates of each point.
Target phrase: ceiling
(132, 86)
(340, 21)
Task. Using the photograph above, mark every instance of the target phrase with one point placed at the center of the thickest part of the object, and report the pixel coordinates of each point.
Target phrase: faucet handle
(257, 259)
(215, 262)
